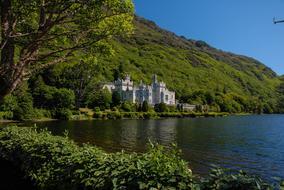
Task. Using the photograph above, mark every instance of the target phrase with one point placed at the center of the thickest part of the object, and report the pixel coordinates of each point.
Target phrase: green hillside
(188, 65)
(197, 72)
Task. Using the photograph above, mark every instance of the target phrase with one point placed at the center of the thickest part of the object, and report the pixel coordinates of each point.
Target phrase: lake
(253, 143)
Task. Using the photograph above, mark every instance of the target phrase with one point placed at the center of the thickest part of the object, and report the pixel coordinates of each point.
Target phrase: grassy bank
(153, 115)
(88, 114)
(52, 162)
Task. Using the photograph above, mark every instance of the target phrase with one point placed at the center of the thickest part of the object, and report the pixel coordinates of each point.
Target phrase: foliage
(37, 34)
(280, 91)
(153, 115)
(116, 98)
(50, 97)
(235, 84)
(162, 107)
(145, 106)
(9, 103)
(24, 109)
(77, 76)
(52, 162)
(224, 179)
(127, 106)
(62, 114)
(100, 98)
(6, 115)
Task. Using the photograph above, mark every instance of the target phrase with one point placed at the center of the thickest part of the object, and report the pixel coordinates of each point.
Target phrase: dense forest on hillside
(197, 72)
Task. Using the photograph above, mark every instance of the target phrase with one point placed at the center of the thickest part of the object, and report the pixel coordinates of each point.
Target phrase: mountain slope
(188, 65)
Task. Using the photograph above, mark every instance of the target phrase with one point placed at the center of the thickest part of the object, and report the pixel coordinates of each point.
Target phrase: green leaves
(53, 162)
(56, 162)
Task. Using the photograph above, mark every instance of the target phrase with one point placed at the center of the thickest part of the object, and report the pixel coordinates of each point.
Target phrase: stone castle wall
(154, 94)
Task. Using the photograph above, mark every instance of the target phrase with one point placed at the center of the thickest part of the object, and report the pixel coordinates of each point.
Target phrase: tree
(161, 107)
(36, 34)
(145, 106)
(127, 106)
(116, 99)
(101, 98)
(280, 102)
(78, 77)
(50, 97)
(119, 72)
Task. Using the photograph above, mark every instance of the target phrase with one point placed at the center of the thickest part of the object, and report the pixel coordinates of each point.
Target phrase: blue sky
(239, 26)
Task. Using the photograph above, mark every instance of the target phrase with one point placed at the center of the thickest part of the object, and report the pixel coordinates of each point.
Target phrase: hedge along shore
(53, 162)
(154, 115)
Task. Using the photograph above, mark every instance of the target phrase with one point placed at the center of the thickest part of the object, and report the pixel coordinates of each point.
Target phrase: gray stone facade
(154, 94)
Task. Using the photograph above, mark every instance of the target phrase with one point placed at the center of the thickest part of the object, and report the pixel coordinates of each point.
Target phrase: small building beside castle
(154, 94)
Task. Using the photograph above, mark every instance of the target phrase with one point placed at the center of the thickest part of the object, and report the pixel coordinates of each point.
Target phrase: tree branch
(53, 62)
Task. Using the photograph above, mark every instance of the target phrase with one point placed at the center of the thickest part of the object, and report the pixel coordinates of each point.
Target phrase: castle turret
(155, 78)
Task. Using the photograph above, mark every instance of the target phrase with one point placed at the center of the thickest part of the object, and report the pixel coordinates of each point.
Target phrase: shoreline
(114, 115)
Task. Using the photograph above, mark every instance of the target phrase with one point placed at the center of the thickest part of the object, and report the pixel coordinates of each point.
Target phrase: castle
(154, 94)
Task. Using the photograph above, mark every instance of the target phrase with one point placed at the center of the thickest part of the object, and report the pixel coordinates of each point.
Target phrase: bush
(24, 109)
(225, 179)
(100, 115)
(97, 109)
(9, 104)
(52, 162)
(41, 114)
(126, 106)
(145, 106)
(131, 115)
(114, 115)
(64, 98)
(170, 114)
(6, 115)
(162, 107)
(50, 97)
(63, 114)
(100, 98)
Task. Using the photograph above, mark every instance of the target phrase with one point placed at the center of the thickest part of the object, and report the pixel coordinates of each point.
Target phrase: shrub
(6, 115)
(225, 179)
(24, 109)
(64, 98)
(50, 97)
(126, 106)
(99, 98)
(41, 113)
(52, 162)
(114, 115)
(63, 114)
(9, 103)
(132, 115)
(97, 109)
(149, 115)
(170, 114)
(162, 107)
(145, 106)
(116, 98)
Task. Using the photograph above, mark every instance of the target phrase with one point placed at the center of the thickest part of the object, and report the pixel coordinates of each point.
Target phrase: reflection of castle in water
(134, 134)
(154, 94)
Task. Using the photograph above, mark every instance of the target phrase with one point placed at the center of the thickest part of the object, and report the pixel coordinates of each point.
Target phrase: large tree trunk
(8, 82)
(8, 88)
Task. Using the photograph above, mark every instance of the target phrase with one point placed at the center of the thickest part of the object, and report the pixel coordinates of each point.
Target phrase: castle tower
(155, 78)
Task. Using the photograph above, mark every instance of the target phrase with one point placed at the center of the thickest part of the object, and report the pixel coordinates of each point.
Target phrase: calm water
(252, 143)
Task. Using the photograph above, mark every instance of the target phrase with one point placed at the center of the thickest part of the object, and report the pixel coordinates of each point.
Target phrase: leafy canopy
(36, 34)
